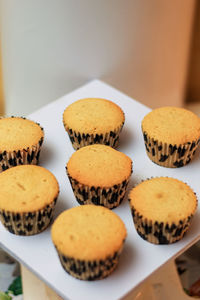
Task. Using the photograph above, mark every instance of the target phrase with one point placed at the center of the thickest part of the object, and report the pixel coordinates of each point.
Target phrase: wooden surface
(193, 83)
(2, 104)
(34, 288)
(163, 284)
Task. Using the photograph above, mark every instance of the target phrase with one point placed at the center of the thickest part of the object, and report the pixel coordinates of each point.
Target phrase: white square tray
(139, 258)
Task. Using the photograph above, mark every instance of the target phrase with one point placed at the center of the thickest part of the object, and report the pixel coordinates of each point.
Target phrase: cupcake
(162, 209)
(99, 175)
(27, 199)
(171, 136)
(93, 121)
(89, 240)
(20, 142)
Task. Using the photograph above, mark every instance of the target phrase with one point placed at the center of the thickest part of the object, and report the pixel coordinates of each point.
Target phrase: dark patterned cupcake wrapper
(92, 269)
(28, 223)
(28, 156)
(80, 140)
(108, 197)
(160, 232)
(168, 155)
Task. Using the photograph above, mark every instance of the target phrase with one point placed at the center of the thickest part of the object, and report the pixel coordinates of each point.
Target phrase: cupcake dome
(99, 175)
(89, 240)
(20, 142)
(93, 121)
(162, 209)
(171, 136)
(27, 199)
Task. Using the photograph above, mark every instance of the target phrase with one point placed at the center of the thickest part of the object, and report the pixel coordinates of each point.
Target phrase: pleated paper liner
(110, 197)
(160, 232)
(28, 223)
(25, 156)
(79, 139)
(168, 155)
(28, 156)
(90, 270)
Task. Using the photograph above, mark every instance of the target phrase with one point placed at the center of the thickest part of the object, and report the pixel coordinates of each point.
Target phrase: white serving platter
(139, 258)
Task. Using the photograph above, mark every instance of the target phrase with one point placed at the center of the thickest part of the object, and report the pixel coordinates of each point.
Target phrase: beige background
(193, 78)
(1, 88)
(50, 47)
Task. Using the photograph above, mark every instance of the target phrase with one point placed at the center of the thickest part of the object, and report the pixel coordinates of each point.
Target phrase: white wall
(50, 47)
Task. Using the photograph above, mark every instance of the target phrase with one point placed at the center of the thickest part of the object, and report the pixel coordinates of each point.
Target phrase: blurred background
(148, 49)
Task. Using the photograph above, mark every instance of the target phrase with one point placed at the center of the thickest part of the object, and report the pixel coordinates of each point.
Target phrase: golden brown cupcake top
(88, 232)
(99, 165)
(172, 125)
(27, 188)
(18, 134)
(163, 199)
(93, 115)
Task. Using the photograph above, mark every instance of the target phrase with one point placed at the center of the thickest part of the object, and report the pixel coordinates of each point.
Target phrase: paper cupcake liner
(168, 155)
(28, 156)
(109, 197)
(90, 269)
(29, 223)
(160, 232)
(80, 140)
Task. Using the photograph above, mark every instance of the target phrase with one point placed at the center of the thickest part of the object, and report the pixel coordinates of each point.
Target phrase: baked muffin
(93, 121)
(27, 199)
(162, 209)
(20, 142)
(89, 240)
(99, 175)
(171, 136)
